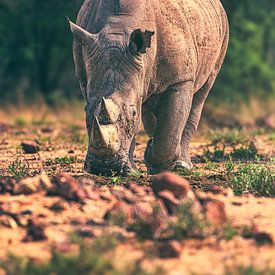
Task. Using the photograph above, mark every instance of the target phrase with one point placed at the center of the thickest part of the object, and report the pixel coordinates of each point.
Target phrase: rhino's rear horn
(109, 112)
(82, 36)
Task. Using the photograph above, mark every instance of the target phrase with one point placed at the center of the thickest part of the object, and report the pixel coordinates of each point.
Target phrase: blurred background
(36, 61)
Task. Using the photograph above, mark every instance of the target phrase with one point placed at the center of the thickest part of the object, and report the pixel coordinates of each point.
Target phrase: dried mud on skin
(37, 217)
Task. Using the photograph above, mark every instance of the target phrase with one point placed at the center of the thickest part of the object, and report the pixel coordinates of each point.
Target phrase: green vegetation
(229, 232)
(188, 173)
(188, 224)
(238, 154)
(91, 259)
(249, 66)
(62, 161)
(19, 168)
(228, 137)
(117, 180)
(253, 178)
(20, 122)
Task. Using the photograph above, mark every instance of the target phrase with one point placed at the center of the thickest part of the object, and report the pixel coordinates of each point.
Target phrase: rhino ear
(140, 40)
(82, 36)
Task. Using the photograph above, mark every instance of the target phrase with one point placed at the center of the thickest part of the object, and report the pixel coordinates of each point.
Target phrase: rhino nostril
(133, 110)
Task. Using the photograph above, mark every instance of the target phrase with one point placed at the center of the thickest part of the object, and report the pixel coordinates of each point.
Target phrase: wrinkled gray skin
(150, 60)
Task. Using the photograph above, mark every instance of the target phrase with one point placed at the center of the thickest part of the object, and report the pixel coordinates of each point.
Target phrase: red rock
(30, 147)
(171, 182)
(32, 185)
(35, 231)
(170, 201)
(7, 185)
(123, 194)
(68, 188)
(60, 205)
(215, 189)
(141, 211)
(121, 210)
(85, 232)
(215, 211)
(169, 249)
(137, 189)
(65, 186)
(148, 223)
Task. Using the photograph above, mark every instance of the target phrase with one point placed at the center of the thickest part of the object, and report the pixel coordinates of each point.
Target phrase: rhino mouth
(108, 167)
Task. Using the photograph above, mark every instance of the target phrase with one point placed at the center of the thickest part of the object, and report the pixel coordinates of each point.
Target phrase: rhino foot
(156, 164)
(181, 164)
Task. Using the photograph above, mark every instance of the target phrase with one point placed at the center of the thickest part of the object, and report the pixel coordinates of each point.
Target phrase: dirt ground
(62, 150)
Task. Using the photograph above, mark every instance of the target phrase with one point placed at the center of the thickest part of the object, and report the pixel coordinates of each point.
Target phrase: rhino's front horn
(105, 139)
(109, 111)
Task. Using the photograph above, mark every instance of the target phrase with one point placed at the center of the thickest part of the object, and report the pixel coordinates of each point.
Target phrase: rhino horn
(105, 138)
(81, 35)
(100, 135)
(109, 112)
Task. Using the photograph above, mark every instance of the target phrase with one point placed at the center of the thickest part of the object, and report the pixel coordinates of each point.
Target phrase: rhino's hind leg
(193, 123)
(173, 111)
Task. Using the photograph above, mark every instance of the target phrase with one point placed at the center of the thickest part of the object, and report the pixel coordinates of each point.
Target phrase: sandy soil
(208, 256)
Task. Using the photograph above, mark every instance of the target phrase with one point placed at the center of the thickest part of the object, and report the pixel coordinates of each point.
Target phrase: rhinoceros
(150, 61)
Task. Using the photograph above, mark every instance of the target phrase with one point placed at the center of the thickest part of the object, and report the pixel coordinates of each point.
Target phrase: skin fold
(150, 61)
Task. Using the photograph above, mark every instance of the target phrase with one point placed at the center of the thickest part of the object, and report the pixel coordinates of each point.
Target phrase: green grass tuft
(19, 168)
(253, 178)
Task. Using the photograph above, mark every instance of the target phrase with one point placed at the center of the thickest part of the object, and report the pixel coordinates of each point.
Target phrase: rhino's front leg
(173, 111)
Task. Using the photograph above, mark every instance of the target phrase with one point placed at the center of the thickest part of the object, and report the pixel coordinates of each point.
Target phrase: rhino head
(112, 67)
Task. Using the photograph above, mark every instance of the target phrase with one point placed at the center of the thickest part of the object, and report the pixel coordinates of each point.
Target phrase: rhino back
(191, 36)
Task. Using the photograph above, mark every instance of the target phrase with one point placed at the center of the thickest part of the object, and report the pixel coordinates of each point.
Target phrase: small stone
(30, 147)
(137, 189)
(46, 130)
(59, 206)
(215, 189)
(123, 194)
(7, 185)
(170, 201)
(214, 211)
(120, 211)
(85, 232)
(256, 145)
(32, 185)
(142, 211)
(179, 186)
(8, 222)
(66, 187)
(35, 231)
(263, 238)
(26, 187)
(169, 249)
